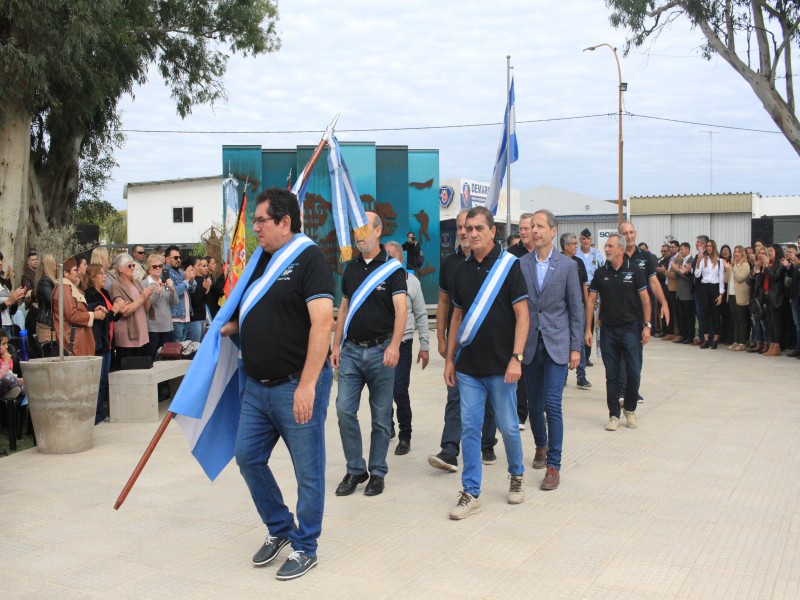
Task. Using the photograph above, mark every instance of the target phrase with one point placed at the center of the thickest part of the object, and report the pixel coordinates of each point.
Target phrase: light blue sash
(365, 289)
(277, 265)
(484, 300)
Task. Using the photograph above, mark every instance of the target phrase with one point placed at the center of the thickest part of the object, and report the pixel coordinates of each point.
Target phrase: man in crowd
(216, 290)
(569, 246)
(184, 284)
(285, 337)
(646, 262)
(417, 318)
(792, 264)
(366, 348)
(672, 290)
(139, 267)
(662, 330)
(623, 287)
(413, 252)
(682, 268)
(28, 278)
(485, 356)
(512, 240)
(447, 458)
(592, 258)
(555, 304)
(519, 250)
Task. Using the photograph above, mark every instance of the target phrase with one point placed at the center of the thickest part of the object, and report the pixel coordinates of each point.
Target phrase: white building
(574, 212)
(173, 211)
(776, 218)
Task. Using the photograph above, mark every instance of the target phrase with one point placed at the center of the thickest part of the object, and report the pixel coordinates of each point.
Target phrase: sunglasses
(156, 266)
(130, 266)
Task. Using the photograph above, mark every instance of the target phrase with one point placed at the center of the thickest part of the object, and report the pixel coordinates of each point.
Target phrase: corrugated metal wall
(731, 229)
(652, 229)
(686, 228)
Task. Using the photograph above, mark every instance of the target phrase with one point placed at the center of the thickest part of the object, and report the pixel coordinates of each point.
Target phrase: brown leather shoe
(697, 342)
(668, 338)
(551, 479)
(774, 350)
(678, 339)
(540, 458)
(757, 348)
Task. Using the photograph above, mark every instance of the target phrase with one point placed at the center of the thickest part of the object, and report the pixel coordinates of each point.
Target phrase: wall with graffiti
(400, 185)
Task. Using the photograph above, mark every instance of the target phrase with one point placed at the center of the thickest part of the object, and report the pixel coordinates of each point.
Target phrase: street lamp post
(622, 87)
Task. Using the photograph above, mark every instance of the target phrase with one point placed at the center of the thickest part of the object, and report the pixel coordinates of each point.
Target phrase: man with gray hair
(417, 318)
(623, 286)
(569, 247)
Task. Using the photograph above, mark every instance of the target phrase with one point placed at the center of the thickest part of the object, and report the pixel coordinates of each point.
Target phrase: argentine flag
(208, 401)
(502, 161)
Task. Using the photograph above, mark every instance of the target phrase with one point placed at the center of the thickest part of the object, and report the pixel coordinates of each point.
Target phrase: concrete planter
(62, 395)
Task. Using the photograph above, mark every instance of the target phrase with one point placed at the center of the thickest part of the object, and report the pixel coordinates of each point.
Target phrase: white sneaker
(612, 424)
(522, 426)
(467, 504)
(630, 417)
(516, 489)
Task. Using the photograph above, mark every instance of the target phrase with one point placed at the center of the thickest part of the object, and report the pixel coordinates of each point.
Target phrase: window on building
(183, 214)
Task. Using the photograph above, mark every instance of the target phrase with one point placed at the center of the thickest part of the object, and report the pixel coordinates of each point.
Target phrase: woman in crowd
(726, 316)
(103, 329)
(45, 282)
(758, 296)
(774, 272)
(100, 257)
(197, 300)
(75, 332)
(159, 320)
(710, 271)
(9, 298)
(739, 297)
(131, 330)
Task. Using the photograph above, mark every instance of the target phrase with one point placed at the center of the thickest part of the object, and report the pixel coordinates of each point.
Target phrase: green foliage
(94, 212)
(60, 242)
(114, 228)
(69, 62)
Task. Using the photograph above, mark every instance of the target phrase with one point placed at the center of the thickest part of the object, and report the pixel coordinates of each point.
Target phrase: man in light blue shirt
(592, 259)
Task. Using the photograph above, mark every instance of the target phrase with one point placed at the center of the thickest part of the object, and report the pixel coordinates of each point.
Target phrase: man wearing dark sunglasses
(184, 284)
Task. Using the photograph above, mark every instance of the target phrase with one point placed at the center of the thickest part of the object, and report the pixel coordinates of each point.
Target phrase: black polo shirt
(518, 250)
(375, 318)
(274, 334)
(583, 277)
(619, 290)
(493, 345)
(447, 277)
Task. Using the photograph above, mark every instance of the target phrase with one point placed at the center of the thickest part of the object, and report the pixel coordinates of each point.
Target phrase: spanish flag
(238, 252)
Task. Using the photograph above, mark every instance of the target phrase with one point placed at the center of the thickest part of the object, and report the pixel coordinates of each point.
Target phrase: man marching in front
(366, 348)
(623, 288)
(286, 315)
(485, 355)
(555, 302)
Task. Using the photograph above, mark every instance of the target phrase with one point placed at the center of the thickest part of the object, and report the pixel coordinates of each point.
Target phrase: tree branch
(662, 9)
(761, 38)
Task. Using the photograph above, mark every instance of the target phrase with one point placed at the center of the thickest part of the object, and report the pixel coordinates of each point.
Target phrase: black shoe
(794, 354)
(403, 446)
(488, 457)
(443, 461)
(589, 363)
(584, 384)
(375, 486)
(350, 483)
(688, 340)
(705, 345)
(267, 553)
(297, 565)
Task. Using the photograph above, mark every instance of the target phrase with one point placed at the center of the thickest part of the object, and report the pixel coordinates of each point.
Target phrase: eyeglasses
(130, 266)
(177, 257)
(138, 251)
(156, 266)
(259, 221)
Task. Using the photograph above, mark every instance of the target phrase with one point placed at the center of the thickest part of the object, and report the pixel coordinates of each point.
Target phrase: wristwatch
(517, 356)
(648, 325)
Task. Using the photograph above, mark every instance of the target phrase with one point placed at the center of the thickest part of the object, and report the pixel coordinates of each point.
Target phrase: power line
(439, 127)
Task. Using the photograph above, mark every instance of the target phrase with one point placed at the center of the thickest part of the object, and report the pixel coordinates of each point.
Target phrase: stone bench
(133, 394)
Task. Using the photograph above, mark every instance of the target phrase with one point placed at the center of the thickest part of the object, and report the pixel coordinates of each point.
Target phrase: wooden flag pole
(145, 457)
(318, 152)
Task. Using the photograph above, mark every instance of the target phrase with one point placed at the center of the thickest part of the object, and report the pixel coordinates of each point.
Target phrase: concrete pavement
(700, 502)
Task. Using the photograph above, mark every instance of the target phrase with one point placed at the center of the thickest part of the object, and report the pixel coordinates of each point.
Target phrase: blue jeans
(157, 339)
(268, 414)
(359, 366)
(195, 331)
(451, 434)
(503, 398)
(544, 381)
(581, 371)
(402, 378)
(102, 394)
(180, 332)
(760, 331)
(622, 349)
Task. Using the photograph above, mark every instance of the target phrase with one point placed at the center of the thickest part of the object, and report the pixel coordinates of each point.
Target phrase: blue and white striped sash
(277, 265)
(365, 289)
(484, 300)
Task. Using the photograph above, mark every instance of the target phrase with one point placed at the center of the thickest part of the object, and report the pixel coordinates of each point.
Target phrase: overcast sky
(419, 63)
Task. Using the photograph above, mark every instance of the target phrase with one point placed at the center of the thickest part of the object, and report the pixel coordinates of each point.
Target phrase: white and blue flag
(208, 401)
(504, 157)
(230, 212)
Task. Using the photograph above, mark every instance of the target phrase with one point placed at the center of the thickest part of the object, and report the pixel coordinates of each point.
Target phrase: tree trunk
(59, 182)
(15, 152)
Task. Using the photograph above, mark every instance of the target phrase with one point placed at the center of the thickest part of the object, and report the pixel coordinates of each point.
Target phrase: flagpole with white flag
(507, 153)
(508, 137)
